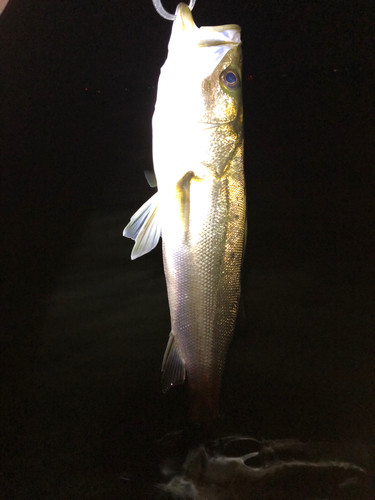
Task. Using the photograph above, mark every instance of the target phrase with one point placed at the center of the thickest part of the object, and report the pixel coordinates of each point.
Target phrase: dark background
(84, 328)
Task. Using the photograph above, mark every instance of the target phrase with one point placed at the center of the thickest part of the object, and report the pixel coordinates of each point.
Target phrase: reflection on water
(239, 467)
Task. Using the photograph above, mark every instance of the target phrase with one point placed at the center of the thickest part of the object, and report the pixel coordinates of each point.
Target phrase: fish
(199, 209)
(3, 4)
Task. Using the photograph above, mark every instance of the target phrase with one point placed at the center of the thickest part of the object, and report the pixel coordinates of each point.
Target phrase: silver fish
(200, 206)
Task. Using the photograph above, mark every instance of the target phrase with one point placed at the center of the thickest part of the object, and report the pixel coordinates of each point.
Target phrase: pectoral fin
(144, 227)
(150, 178)
(173, 368)
(183, 188)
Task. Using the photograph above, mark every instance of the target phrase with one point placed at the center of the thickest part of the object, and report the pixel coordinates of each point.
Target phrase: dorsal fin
(173, 368)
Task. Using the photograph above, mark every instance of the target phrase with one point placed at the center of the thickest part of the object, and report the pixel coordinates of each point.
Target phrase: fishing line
(163, 13)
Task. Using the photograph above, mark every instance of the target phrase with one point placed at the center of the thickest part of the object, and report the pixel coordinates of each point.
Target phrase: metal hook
(163, 13)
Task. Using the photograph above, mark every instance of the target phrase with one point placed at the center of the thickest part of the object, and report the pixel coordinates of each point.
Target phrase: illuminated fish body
(200, 207)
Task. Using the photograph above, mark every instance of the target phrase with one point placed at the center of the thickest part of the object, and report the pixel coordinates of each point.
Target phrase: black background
(84, 328)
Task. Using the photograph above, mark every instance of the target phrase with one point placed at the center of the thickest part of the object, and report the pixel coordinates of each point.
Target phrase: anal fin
(173, 368)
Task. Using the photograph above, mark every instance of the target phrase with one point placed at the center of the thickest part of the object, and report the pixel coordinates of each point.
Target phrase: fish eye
(230, 79)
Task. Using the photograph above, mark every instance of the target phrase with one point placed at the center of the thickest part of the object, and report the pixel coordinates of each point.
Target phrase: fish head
(221, 91)
(199, 100)
(221, 114)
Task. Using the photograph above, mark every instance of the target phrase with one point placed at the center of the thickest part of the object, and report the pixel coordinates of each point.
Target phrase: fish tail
(204, 403)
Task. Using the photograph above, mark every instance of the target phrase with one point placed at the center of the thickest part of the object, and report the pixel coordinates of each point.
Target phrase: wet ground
(83, 416)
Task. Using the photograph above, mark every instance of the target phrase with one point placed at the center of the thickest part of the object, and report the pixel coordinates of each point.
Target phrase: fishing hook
(163, 13)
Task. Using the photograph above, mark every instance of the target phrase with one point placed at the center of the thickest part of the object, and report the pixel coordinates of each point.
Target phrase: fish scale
(200, 207)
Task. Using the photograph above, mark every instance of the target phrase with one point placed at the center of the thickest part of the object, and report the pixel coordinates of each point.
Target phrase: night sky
(77, 88)
(63, 44)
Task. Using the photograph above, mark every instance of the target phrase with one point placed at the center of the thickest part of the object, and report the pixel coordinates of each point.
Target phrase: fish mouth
(212, 43)
(223, 27)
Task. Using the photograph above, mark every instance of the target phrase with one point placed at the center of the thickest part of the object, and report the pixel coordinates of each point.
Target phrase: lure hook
(163, 13)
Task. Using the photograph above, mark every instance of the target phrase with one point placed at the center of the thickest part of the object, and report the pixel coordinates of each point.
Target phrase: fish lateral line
(216, 124)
